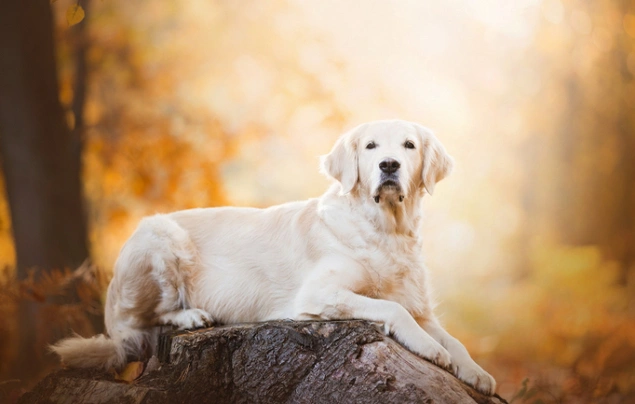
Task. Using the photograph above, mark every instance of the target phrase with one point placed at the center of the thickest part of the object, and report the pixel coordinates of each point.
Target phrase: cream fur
(354, 252)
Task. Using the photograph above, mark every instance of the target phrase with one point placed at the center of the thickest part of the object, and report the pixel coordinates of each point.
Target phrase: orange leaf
(130, 372)
(74, 14)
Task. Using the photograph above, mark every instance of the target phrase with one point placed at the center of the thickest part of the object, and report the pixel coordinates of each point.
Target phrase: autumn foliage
(531, 241)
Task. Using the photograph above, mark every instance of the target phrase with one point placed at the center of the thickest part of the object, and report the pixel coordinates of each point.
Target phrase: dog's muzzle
(389, 184)
(389, 179)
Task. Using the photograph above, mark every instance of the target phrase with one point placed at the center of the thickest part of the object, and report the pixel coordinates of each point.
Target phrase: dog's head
(387, 160)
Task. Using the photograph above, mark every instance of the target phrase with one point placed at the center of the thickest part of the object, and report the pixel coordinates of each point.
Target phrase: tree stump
(272, 362)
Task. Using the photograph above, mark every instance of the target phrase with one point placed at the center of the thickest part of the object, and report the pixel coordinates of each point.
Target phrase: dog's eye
(409, 145)
(371, 145)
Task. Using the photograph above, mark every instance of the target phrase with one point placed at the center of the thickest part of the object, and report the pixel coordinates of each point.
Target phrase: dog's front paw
(440, 358)
(426, 348)
(435, 353)
(476, 377)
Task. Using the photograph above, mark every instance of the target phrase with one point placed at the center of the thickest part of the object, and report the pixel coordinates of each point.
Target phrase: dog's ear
(341, 163)
(437, 163)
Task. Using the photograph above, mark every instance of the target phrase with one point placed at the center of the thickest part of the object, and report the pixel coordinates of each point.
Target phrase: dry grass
(59, 302)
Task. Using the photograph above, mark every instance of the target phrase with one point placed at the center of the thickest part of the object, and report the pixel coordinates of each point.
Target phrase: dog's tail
(103, 352)
(96, 352)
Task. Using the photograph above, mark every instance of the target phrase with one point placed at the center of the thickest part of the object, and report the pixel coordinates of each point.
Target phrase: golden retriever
(353, 253)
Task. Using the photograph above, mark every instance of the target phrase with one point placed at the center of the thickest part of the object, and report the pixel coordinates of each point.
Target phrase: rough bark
(274, 362)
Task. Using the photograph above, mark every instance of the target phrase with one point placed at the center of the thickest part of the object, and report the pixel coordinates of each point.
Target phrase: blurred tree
(40, 156)
(593, 171)
(583, 132)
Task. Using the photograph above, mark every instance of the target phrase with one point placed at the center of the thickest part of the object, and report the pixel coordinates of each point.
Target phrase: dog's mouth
(389, 187)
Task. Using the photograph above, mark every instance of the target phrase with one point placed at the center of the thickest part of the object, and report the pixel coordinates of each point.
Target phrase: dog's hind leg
(150, 284)
(174, 260)
(149, 289)
(187, 319)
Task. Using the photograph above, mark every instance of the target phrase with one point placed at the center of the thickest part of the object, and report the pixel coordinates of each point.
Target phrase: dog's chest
(392, 268)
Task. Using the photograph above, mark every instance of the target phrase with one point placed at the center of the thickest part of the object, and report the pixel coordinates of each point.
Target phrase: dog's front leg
(341, 304)
(463, 366)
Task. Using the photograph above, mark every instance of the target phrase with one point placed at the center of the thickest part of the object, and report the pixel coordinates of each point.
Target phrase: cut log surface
(272, 362)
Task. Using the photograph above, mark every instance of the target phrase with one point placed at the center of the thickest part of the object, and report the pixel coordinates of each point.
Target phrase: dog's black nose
(389, 166)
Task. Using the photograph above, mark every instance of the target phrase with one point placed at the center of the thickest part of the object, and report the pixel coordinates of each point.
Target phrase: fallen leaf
(74, 14)
(130, 372)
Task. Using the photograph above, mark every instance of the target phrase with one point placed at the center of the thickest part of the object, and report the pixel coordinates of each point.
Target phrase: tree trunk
(274, 362)
(40, 156)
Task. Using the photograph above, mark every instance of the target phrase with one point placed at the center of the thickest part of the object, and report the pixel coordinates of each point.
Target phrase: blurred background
(112, 110)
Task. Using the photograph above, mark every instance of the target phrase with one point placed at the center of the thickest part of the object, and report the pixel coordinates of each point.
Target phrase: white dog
(353, 253)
